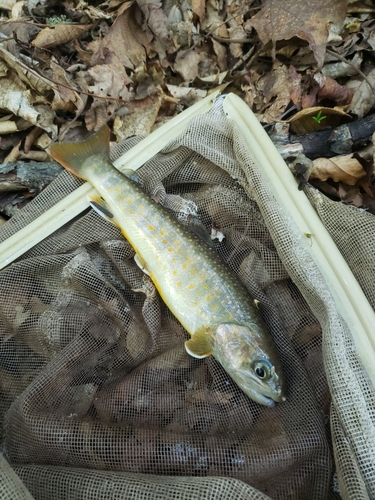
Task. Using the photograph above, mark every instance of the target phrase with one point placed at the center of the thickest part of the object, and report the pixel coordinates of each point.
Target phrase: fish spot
(169, 249)
(175, 272)
(187, 259)
(192, 271)
(120, 197)
(179, 251)
(131, 211)
(205, 285)
(184, 266)
(129, 200)
(151, 228)
(161, 232)
(214, 306)
(164, 242)
(195, 303)
(178, 283)
(208, 298)
(173, 261)
(191, 286)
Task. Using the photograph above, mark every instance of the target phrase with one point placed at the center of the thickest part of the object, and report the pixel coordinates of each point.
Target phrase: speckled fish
(201, 292)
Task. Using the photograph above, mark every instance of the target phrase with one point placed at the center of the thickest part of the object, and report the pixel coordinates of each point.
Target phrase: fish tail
(73, 155)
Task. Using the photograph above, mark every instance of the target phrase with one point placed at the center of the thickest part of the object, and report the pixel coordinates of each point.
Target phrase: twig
(343, 59)
(232, 40)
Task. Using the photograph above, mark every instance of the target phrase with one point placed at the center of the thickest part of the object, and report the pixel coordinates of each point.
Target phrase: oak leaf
(310, 21)
(125, 39)
(345, 168)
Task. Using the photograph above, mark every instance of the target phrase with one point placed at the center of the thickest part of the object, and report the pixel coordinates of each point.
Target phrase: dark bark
(342, 140)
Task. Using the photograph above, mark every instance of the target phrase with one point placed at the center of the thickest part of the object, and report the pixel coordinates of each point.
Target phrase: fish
(200, 290)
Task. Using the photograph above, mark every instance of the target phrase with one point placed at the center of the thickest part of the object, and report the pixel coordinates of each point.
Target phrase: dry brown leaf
(364, 97)
(275, 86)
(187, 66)
(155, 18)
(111, 80)
(215, 12)
(330, 89)
(27, 75)
(8, 4)
(221, 55)
(59, 34)
(346, 169)
(236, 32)
(187, 95)
(8, 127)
(125, 39)
(199, 8)
(296, 87)
(65, 97)
(19, 104)
(310, 21)
(140, 118)
(311, 119)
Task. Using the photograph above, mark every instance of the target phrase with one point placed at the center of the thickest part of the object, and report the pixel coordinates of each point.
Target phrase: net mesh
(99, 398)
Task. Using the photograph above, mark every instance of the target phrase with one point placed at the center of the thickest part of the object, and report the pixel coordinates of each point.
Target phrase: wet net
(98, 398)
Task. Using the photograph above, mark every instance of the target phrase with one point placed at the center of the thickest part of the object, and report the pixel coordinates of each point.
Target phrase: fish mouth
(257, 392)
(260, 398)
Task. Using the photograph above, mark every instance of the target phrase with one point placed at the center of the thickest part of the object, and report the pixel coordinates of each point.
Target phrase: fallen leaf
(140, 118)
(125, 39)
(19, 104)
(187, 94)
(110, 80)
(199, 8)
(27, 75)
(236, 32)
(346, 169)
(155, 19)
(8, 127)
(59, 34)
(330, 89)
(311, 119)
(284, 19)
(364, 97)
(296, 87)
(187, 66)
(65, 97)
(275, 87)
(215, 12)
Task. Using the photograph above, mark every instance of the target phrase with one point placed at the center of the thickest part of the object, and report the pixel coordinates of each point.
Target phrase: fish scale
(202, 293)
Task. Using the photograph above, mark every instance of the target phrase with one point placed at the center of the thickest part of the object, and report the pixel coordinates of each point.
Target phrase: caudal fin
(72, 155)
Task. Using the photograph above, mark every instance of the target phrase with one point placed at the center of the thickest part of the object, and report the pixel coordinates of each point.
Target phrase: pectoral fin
(201, 343)
(101, 207)
(141, 264)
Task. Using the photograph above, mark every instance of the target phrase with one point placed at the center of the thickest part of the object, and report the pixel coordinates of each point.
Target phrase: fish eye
(262, 368)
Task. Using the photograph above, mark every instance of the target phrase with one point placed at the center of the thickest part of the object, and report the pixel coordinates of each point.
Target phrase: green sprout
(319, 118)
(57, 20)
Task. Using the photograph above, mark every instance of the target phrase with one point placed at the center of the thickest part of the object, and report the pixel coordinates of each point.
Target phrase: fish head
(249, 357)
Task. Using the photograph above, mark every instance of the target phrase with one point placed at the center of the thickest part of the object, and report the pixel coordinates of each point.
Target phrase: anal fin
(201, 343)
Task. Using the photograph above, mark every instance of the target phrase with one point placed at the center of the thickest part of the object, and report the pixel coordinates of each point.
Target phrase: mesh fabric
(97, 389)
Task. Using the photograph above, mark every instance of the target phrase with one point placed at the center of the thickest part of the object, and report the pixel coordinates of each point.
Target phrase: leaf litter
(135, 64)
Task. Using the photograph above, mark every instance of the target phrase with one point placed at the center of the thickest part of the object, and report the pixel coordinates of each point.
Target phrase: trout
(198, 288)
